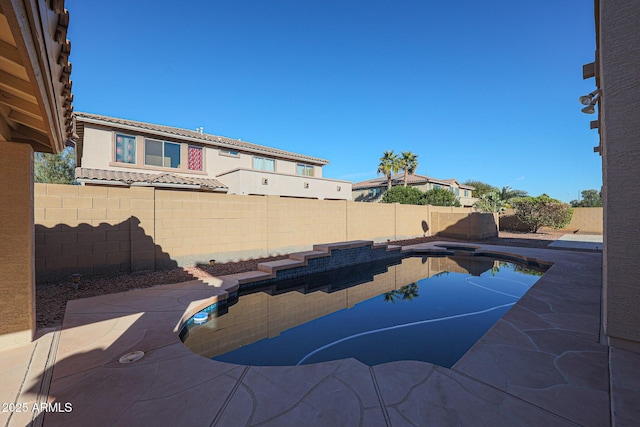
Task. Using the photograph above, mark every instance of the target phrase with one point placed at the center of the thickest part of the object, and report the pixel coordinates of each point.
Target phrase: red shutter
(195, 158)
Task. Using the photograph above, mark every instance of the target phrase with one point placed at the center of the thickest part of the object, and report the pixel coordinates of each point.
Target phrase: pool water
(427, 309)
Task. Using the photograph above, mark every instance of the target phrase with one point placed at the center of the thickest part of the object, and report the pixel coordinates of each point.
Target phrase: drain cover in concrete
(132, 357)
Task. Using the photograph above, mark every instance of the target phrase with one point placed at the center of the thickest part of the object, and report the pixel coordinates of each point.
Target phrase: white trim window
(162, 154)
(304, 170)
(264, 164)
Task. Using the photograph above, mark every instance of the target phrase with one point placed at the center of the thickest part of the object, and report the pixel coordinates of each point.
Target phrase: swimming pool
(431, 309)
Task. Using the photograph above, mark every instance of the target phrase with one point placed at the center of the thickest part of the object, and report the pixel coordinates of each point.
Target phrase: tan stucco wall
(17, 275)
(619, 63)
(247, 181)
(584, 220)
(96, 230)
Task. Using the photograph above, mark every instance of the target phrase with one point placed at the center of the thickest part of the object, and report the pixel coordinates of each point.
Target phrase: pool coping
(543, 362)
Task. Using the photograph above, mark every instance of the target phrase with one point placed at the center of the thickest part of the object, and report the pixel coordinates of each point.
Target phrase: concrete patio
(543, 363)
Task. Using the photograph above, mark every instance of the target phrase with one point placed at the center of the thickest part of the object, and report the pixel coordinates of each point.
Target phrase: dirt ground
(51, 298)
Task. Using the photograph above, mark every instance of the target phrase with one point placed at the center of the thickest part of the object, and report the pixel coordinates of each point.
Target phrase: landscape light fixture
(76, 280)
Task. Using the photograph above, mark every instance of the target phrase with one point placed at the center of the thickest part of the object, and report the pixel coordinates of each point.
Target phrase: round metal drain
(132, 357)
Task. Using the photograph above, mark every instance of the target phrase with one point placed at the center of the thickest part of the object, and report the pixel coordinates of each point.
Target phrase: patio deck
(543, 363)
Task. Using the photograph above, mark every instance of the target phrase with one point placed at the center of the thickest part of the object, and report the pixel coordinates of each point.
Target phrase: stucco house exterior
(373, 189)
(114, 151)
(35, 116)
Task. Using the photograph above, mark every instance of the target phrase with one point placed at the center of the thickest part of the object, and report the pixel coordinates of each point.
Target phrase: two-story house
(373, 189)
(113, 151)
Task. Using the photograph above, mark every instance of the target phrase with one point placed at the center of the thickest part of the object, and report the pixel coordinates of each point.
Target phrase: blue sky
(484, 90)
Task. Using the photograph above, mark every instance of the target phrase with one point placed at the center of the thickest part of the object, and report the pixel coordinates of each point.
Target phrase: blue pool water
(435, 319)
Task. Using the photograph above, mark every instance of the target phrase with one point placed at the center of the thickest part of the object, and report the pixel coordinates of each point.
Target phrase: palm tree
(388, 165)
(507, 193)
(408, 162)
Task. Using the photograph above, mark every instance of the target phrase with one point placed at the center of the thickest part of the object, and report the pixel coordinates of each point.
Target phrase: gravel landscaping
(51, 298)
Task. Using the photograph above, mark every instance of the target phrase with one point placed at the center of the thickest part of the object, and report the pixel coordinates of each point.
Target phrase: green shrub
(490, 202)
(541, 211)
(402, 195)
(440, 197)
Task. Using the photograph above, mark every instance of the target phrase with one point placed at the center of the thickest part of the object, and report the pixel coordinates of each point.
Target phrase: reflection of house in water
(468, 264)
(268, 311)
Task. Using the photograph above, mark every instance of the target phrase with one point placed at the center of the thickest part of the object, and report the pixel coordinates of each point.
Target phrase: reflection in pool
(429, 309)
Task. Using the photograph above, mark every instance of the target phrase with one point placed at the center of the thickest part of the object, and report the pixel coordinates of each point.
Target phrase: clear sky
(485, 90)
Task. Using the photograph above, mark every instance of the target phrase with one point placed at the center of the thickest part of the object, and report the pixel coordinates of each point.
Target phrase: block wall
(586, 220)
(97, 230)
(371, 221)
(93, 230)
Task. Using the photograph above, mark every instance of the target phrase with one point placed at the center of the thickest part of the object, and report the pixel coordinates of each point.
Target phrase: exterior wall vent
(265, 181)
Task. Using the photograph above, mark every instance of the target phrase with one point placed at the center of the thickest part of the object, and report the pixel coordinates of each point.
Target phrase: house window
(457, 191)
(195, 158)
(125, 149)
(305, 170)
(161, 153)
(232, 153)
(264, 164)
(466, 193)
(374, 192)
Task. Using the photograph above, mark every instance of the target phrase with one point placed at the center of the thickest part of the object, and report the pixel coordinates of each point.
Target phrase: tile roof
(130, 178)
(398, 179)
(219, 141)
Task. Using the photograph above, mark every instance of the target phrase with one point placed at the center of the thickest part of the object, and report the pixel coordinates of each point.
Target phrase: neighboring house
(373, 189)
(112, 151)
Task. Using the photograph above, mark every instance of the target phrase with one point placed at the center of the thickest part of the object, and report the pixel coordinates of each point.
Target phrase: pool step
(272, 267)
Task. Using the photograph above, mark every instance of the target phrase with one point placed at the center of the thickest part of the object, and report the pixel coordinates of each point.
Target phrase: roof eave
(220, 144)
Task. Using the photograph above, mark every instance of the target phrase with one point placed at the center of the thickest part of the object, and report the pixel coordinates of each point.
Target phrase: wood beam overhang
(19, 104)
(27, 120)
(35, 84)
(9, 53)
(16, 86)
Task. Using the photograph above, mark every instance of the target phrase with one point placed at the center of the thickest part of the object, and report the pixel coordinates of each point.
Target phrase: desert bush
(541, 211)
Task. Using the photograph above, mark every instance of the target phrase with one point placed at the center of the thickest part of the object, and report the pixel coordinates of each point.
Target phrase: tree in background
(590, 199)
(440, 197)
(481, 187)
(409, 163)
(542, 211)
(507, 193)
(54, 168)
(491, 202)
(389, 165)
(403, 195)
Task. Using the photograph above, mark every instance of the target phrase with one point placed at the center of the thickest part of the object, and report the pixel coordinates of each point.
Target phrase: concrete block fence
(96, 230)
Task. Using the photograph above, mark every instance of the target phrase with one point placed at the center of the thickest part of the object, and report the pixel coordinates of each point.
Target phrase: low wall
(104, 230)
(585, 220)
